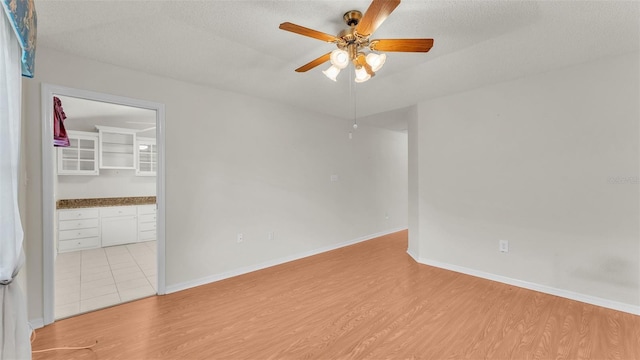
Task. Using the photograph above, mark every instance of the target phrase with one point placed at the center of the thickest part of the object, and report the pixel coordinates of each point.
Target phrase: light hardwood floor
(366, 301)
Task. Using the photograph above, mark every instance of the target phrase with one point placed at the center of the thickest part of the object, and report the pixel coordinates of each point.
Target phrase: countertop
(101, 202)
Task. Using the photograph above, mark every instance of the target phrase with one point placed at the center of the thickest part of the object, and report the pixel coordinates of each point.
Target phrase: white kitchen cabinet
(147, 223)
(147, 157)
(90, 228)
(81, 156)
(117, 147)
(78, 229)
(119, 225)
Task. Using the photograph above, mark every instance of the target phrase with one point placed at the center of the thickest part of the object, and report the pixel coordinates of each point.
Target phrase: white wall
(549, 163)
(236, 164)
(413, 220)
(110, 183)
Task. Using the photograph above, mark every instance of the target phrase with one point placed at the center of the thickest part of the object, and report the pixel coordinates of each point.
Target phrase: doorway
(103, 202)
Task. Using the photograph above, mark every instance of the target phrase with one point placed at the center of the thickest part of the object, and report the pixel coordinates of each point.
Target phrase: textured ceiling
(237, 46)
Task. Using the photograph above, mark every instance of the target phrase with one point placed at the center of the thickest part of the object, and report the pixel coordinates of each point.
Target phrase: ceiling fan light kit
(362, 75)
(376, 60)
(339, 58)
(354, 45)
(332, 72)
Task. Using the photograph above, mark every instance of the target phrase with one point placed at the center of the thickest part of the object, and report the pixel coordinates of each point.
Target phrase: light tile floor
(92, 279)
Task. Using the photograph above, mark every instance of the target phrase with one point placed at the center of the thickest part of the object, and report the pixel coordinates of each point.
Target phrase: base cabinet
(147, 223)
(78, 229)
(119, 225)
(91, 228)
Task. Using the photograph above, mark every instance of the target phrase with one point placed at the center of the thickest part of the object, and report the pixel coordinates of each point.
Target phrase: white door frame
(48, 173)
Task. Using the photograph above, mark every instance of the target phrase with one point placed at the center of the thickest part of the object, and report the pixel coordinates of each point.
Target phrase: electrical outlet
(386, 216)
(239, 238)
(503, 246)
(270, 235)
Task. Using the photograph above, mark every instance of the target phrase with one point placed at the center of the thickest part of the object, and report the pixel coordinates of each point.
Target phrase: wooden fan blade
(377, 12)
(307, 32)
(403, 45)
(322, 59)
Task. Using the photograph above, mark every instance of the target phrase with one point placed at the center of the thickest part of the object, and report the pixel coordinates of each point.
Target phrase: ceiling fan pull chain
(352, 88)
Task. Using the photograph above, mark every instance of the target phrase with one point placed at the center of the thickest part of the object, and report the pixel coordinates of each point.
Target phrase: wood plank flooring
(366, 301)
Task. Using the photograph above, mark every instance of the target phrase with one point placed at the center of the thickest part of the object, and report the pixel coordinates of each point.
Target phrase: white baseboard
(413, 256)
(247, 269)
(593, 300)
(36, 323)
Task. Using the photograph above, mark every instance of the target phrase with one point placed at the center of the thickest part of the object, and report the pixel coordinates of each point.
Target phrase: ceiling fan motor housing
(352, 17)
(350, 40)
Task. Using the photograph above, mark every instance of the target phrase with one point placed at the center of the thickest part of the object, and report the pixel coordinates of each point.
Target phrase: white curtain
(14, 328)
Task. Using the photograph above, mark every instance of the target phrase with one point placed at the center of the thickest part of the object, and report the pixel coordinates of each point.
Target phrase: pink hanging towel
(60, 137)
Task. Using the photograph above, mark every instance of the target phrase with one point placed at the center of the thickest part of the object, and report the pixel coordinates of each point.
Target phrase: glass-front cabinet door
(81, 157)
(147, 157)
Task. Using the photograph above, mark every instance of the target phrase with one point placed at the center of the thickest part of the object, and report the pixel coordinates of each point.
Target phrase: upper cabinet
(81, 157)
(147, 157)
(109, 148)
(117, 148)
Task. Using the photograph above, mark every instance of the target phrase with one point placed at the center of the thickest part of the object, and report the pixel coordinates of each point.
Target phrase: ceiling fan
(353, 42)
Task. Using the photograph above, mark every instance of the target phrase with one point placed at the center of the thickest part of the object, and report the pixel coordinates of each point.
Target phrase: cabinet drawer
(147, 235)
(118, 211)
(146, 226)
(146, 209)
(78, 214)
(77, 234)
(147, 218)
(78, 224)
(79, 244)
